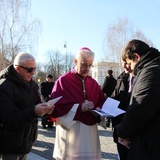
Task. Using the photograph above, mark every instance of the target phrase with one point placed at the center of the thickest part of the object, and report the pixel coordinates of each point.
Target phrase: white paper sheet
(102, 113)
(53, 101)
(110, 106)
(67, 121)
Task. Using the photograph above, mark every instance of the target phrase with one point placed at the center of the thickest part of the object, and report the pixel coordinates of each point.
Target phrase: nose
(33, 72)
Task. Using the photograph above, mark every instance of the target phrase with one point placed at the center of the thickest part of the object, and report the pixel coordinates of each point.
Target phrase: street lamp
(39, 80)
(65, 46)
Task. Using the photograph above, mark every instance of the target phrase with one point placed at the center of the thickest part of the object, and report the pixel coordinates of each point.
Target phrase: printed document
(110, 108)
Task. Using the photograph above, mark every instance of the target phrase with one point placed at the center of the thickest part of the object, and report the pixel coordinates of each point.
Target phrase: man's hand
(42, 108)
(124, 141)
(87, 105)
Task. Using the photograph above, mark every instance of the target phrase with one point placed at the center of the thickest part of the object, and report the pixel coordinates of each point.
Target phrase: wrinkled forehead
(29, 62)
(86, 59)
(86, 56)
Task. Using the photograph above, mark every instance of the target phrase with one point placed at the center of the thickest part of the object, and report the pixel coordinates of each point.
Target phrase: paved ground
(43, 147)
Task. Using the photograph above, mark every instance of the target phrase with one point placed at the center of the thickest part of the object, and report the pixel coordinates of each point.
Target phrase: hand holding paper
(41, 109)
(87, 105)
(110, 108)
(49, 106)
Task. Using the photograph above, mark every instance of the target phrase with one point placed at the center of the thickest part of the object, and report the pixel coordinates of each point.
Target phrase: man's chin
(84, 75)
(28, 80)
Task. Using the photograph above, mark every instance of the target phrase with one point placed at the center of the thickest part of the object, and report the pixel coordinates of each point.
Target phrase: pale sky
(84, 22)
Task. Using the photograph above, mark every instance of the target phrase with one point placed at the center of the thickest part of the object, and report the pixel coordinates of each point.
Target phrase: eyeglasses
(86, 65)
(29, 70)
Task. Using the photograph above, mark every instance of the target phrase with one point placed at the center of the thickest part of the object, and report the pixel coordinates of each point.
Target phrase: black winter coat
(18, 122)
(46, 89)
(141, 123)
(121, 94)
(109, 85)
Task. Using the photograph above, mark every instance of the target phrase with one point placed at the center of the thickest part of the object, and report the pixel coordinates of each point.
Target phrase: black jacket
(109, 85)
(46, 88)
(121, 94)
(141, 123)
(18, 122)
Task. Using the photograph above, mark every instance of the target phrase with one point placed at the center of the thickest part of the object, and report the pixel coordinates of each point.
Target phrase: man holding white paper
(76, 132)
(20, 106)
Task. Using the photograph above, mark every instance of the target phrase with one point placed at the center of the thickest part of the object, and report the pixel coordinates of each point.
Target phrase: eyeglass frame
(29, 70)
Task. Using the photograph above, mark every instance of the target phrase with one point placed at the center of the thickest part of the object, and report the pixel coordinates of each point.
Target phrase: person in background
(140, 129)
(122, 93)
(45, 90)
(20, 105)
(108, 88)
(109, 83)
(81, 141)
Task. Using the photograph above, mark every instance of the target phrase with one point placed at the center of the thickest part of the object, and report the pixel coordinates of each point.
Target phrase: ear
(137, 56)
(75, 62)
(17, 68)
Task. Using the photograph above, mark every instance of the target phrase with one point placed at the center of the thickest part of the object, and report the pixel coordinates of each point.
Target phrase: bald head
(22, 57)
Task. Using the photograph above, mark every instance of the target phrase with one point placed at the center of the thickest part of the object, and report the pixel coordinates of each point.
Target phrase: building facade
(99, 71)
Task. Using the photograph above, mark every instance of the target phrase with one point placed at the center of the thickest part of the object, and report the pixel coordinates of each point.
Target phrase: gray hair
(84, 52)
(22, 57)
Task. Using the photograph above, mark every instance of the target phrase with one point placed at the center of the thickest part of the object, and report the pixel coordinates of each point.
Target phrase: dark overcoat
(18, 122)
(141, 123)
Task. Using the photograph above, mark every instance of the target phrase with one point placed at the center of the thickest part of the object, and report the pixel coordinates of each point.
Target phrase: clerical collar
(78, 75)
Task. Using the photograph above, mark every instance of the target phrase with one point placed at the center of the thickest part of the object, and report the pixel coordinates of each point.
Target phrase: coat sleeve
(120, 94)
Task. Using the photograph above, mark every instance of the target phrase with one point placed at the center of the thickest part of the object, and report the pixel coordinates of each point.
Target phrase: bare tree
(55, 63)
(139, 35)
(70, 61)
(40, 75)
(117, 36)
(68, 58)
(17, 31)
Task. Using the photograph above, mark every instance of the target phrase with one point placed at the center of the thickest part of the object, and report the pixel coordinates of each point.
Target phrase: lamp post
(65, 46)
